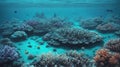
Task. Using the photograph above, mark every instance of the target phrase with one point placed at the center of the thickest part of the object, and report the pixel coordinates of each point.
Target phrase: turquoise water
(74, 12)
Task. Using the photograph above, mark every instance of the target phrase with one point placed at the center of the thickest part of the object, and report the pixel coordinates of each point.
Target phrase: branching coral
(104, 58)
(72, 37)
(69, 59)
(113, 45)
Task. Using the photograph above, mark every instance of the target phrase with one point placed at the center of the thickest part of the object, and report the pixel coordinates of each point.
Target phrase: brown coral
(104, 58)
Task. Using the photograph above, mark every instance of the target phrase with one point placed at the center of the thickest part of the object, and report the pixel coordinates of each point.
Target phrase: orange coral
(113, 60)
(101, 55)
(106, 58)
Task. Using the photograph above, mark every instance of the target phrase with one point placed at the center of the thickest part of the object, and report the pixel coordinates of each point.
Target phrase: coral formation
(19, 35)
(117, 33)
(108, 27)
(72, 37)
(8, 54)
(7, 28)
(43, 26)
(6, 41)
(91, 23)
(69, 59)
(104, 58)
(23, 27)
(113, 45)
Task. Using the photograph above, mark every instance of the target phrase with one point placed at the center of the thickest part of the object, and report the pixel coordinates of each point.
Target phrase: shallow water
(74, 12)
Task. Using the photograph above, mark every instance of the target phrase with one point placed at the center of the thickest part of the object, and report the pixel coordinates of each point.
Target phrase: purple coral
(8, 54)
(72, 37)
(113, 45)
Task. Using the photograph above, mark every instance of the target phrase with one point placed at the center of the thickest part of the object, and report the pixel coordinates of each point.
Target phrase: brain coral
(72, 37)
(113, 45)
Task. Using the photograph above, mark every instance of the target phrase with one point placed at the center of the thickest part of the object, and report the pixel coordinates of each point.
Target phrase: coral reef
(8, 54)
(19, 35)
(108, 27)
(117, 33)
(7, 27)
(91, 23)
(69, 59)
(113, 45)
(6, 41)
(72, 37)
(105, 58)
(43, 26)
(24, 27)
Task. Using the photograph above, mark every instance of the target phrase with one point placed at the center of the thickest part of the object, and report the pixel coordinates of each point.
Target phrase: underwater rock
(18, 36)
(26, 52)
(30, 46)
(108, 27)
(8, 54)
(70, 58)
(105, 58)
(54, 50)
(73, 37)
(38, 47)
(47, 46)
(113, 45)
(31, 57)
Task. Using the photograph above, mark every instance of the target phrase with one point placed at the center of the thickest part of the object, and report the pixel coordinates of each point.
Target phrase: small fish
(15, 11)
(109, 10)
